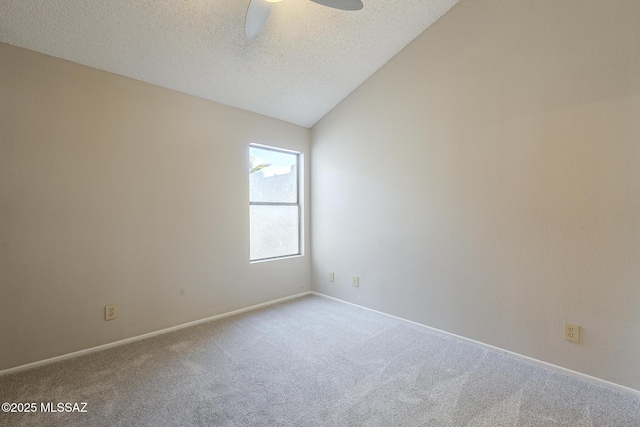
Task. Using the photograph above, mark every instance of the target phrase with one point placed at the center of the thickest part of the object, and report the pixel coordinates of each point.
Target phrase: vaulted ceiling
(306, 60)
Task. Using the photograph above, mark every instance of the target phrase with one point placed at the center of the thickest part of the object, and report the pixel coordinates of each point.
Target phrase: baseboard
(148, 335)
(547, 365)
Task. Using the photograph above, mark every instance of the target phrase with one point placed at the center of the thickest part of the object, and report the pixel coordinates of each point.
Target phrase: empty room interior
(244, 213)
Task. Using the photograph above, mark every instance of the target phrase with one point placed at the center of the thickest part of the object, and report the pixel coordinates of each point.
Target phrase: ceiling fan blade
(341, 4)
(257, 14)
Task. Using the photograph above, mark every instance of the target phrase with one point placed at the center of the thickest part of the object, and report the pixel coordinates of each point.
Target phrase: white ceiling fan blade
(257, 15)
(341, 4)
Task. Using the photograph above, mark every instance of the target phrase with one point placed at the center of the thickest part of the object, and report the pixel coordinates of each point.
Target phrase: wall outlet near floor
(331, 276)
(571, 332)
(110, 312)
(355, 281)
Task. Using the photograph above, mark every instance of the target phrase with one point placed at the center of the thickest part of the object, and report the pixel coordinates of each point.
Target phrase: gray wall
(114, 191)
(486, 182)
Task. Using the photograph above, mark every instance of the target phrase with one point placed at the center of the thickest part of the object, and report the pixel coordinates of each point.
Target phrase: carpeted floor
(310, 362)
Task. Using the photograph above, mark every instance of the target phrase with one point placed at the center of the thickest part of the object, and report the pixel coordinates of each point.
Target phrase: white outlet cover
(110, 312)
(572, 332)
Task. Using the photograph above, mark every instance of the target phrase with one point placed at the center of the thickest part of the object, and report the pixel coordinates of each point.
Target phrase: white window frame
(298, 203)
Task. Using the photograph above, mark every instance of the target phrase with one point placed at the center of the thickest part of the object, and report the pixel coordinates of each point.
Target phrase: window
(273, 203)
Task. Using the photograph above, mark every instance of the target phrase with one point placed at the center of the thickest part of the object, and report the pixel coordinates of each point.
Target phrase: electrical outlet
(110, 312)
(331, 276)
(571, 332)
(355, 281)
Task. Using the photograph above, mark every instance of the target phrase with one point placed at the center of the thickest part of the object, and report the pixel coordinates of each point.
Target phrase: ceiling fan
(258, 12)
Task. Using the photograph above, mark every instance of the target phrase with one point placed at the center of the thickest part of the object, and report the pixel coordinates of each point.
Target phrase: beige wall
(116, 191)
(486, 182)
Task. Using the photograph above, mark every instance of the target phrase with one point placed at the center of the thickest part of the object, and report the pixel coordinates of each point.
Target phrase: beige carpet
(310, 362)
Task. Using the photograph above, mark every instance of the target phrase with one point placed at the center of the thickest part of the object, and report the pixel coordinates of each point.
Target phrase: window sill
(259, 261)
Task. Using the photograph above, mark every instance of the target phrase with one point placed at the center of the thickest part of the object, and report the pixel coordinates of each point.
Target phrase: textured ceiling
(308, 58)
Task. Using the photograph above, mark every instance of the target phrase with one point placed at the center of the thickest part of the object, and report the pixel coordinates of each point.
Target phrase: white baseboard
(547, 365)
(148, 335)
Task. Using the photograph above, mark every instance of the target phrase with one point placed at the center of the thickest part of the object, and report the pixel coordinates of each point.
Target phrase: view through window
(273, 203)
